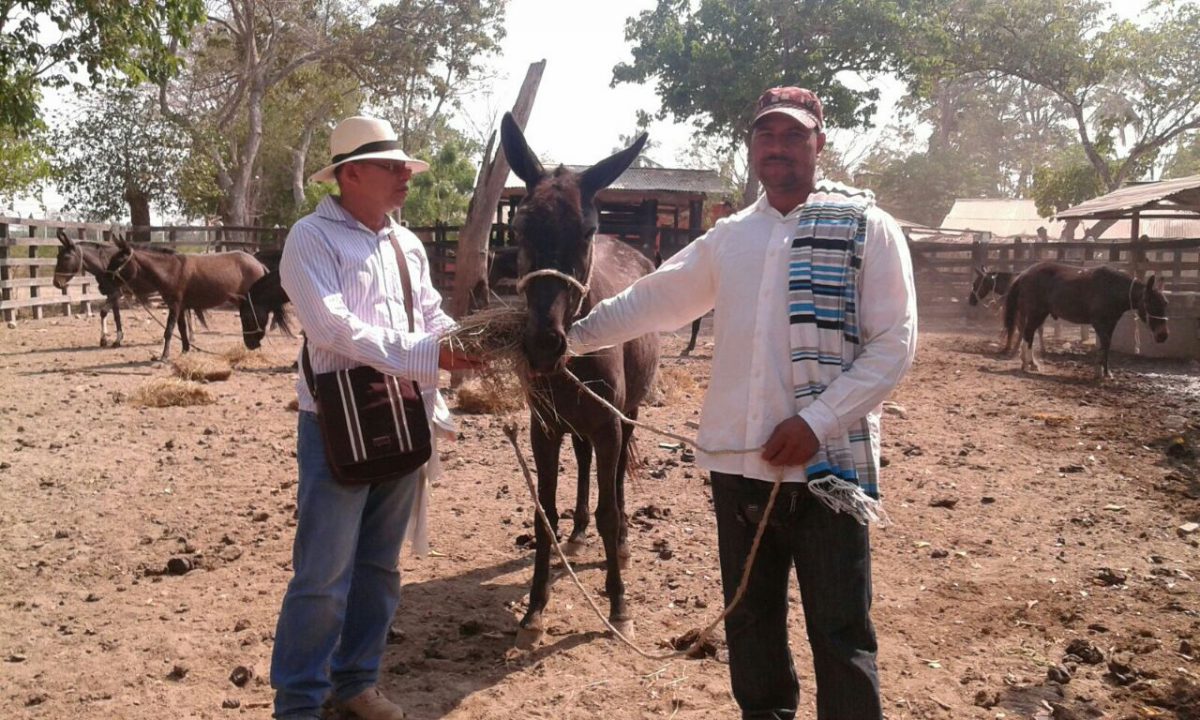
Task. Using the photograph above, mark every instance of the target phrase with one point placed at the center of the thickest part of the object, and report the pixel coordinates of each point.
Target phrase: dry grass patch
(242, 358)
(171, 392)
(490, 394)
(197, 366)
(675, 383)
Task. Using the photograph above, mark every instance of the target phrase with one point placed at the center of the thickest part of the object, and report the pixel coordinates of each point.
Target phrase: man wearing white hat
(341, 269)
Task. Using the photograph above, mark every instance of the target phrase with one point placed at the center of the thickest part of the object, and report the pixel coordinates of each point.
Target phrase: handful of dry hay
(208, 368)
(493, 335)
(171, 392)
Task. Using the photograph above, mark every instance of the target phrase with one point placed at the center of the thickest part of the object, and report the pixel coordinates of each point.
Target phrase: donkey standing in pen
(186, 282)
(77, 257)
(1094, 296)
(565, 269)
(265, 302)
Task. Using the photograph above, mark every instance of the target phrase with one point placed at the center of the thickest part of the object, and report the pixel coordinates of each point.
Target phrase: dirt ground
(1035, 568)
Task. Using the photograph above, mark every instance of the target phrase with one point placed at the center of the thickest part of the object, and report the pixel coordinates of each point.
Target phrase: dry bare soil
(1035, 566)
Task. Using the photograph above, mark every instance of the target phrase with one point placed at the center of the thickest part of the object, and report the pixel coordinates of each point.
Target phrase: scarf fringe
(844, 496)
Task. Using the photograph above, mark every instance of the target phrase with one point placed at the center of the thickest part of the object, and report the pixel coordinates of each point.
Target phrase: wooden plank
(26, 262)
(41, 301)
(47, 281)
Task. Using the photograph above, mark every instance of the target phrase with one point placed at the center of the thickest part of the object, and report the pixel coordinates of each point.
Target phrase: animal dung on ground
(171, 392)
(206, 368)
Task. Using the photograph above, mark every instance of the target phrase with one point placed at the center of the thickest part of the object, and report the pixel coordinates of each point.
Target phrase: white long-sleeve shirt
(740, 268)
(345, 287)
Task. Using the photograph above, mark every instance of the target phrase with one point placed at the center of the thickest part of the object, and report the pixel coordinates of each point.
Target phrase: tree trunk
(751, 188)
(299, 154)
(473, 239)
(139, 214)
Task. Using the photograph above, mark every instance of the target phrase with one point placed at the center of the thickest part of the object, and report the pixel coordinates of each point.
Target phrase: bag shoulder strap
(405, 281)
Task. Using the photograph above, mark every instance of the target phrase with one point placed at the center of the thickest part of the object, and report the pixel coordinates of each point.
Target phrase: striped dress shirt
(740, 267)
(345, 287)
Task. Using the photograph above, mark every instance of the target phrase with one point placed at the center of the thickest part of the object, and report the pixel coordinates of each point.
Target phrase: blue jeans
(346, 585)
(830, 554)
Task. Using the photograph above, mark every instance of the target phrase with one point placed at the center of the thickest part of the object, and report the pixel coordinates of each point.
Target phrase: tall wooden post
(473, 239)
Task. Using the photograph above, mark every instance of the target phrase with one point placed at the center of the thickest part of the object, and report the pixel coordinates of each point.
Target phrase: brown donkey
(186, 282)
(565, 269)
(1096, 296)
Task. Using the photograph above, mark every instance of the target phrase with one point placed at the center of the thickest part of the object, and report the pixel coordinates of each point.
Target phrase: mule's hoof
(104, 342)
(625, 627)
(529, 638)
(573, 547)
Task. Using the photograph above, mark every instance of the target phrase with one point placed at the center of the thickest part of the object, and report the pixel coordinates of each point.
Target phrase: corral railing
(28, 248)
(944, 270)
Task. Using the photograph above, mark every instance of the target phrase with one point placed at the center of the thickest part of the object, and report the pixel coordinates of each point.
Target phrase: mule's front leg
(170, 330)
(116, 311)
(609, 518)
(583, 459)
(104, 326)
(545, 458)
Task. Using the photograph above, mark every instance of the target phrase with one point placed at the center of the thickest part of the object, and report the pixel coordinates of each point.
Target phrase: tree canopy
(54, 43)
(119, 153)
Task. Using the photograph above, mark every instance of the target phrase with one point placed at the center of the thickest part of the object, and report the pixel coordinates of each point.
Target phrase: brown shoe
(372, 705)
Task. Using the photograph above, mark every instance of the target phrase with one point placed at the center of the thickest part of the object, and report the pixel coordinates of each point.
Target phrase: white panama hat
(364, 138)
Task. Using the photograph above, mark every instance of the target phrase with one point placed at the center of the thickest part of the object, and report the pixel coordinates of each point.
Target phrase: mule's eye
(590, 233)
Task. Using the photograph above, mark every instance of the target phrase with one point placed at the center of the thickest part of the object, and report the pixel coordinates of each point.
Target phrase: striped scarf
(824, 269)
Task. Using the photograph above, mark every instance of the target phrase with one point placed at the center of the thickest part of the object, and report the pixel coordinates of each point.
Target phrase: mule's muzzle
(1161, 335)
(546, 351)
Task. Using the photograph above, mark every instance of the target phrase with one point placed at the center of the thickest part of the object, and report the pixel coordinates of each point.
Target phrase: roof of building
(1001, 217)
(649, 179)
(1179, 196)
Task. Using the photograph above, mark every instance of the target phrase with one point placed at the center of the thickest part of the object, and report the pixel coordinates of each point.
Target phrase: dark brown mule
(186, 282)
(989, 282)
(560, 254)
(1096, 296)
(265, 302)
(78, 257)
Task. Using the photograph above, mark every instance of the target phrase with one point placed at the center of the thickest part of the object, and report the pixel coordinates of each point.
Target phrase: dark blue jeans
(831, 556)
(345, 588)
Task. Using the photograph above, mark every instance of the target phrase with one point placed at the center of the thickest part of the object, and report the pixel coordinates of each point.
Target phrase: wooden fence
(28, 248)
(944, 270)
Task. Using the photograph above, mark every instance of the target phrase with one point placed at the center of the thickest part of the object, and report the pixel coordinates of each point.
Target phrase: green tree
(119, 153)
(442, 193)
(1067, 179)
(265, 78)
(49, 43)
(710, 60)
(1120, 84)
(24, 163)
(1185, 160)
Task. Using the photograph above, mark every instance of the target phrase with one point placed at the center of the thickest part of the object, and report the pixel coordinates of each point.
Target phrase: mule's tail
(1011, 301)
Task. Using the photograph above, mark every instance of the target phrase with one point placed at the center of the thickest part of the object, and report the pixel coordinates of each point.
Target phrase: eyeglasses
(395, 167)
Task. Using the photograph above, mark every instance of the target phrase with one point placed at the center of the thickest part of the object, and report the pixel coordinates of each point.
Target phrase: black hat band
(366, 148)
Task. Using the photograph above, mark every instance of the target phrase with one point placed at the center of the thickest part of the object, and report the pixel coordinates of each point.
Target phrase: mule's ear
(62, 238)
(119, 241)
(1150, 283)
(520, 158)
(603, 173)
